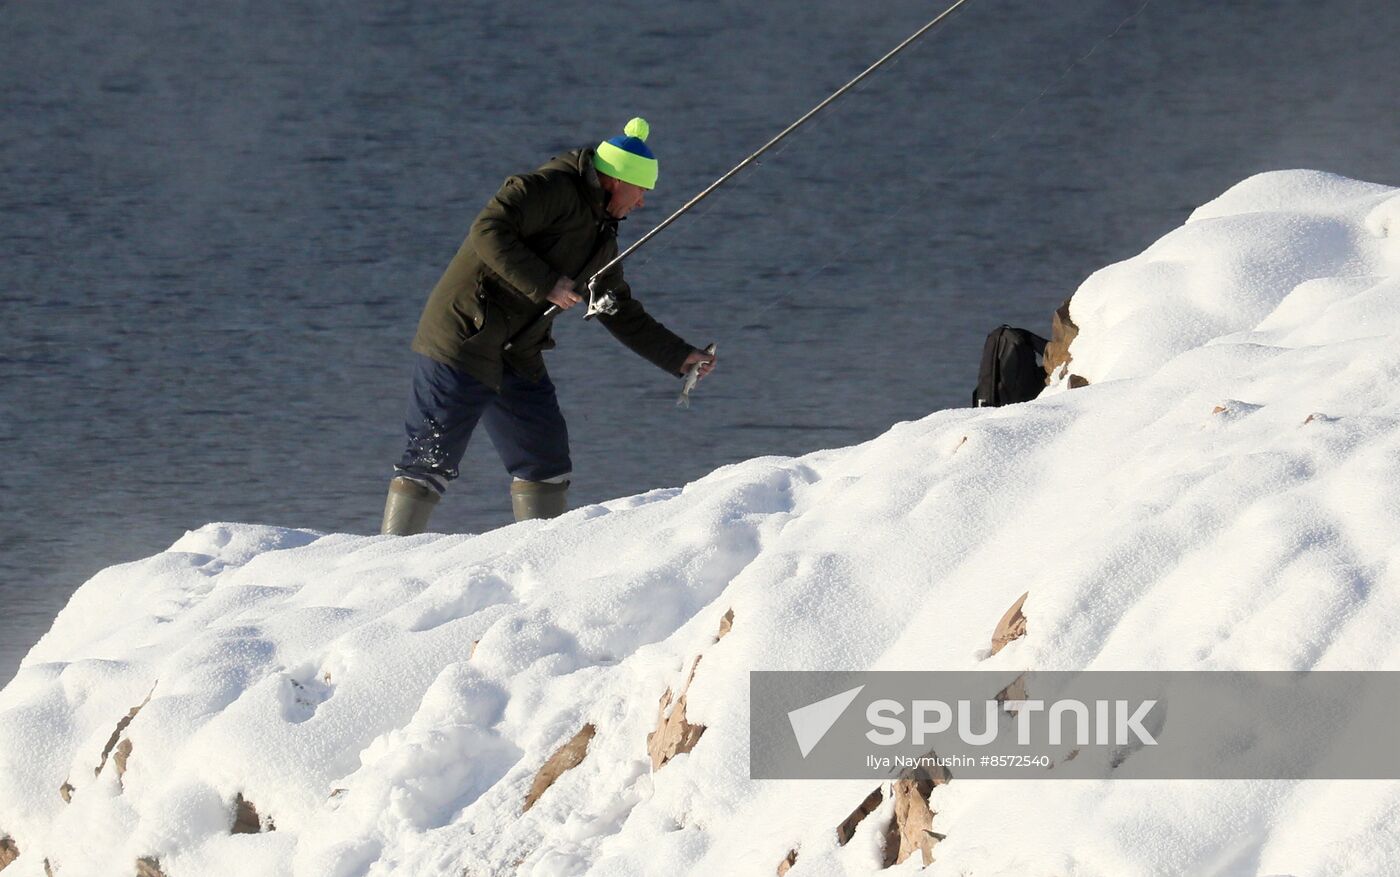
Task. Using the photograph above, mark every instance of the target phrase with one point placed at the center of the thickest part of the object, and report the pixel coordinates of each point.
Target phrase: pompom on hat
(627, 157)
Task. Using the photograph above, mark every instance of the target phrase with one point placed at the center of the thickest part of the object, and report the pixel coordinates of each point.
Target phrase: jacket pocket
(489, 328)
(466, 318)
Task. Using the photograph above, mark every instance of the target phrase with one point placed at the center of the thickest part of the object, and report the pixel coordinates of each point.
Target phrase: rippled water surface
(219, 222)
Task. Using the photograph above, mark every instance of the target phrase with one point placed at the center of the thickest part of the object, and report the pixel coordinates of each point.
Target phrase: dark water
(218, 224)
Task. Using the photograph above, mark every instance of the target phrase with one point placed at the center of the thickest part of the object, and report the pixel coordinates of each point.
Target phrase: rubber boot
(538, 499)
(408, 507)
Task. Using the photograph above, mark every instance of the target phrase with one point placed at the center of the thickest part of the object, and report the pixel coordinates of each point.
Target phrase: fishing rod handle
(550, 311)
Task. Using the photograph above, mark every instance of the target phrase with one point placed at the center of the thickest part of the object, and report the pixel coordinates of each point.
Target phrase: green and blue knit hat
(627, 158)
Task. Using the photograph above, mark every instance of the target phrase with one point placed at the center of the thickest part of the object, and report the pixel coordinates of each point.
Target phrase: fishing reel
(599, 302)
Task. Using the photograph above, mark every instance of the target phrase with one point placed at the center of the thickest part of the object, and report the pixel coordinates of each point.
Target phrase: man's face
(623, 198)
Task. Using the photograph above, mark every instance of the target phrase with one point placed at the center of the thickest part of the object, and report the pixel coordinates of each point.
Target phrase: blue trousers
(523, 421)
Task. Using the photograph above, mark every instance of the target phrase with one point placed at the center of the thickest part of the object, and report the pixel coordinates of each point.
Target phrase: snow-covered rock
(1224, 495)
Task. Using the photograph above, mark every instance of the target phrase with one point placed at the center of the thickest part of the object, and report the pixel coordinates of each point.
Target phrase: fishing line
(923, 189)
(981, 147)
(776, 140)
(753, 159)
(603, 301)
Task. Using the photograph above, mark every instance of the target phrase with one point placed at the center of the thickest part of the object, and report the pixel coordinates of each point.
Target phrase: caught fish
(692, 377)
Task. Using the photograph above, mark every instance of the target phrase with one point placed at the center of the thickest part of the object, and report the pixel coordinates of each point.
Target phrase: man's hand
(707, 362)
(563, 295)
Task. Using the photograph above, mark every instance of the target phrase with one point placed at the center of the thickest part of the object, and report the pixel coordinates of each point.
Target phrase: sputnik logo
(811, 722)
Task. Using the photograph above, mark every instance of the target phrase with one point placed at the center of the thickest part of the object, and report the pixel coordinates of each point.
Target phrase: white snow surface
(1225, 495)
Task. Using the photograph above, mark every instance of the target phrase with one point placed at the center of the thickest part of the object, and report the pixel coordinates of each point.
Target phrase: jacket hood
(579, 163)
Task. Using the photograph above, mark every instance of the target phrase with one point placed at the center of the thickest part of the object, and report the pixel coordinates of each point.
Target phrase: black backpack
(1012, 369)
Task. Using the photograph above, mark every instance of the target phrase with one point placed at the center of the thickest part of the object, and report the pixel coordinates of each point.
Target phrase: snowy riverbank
(1224, 495)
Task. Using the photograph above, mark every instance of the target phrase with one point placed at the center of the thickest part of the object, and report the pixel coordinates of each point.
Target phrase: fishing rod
(604, 302)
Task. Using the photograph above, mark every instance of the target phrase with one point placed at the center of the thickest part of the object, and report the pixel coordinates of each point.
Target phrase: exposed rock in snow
(674, 734)
(121, 756)
(1057, 355)
(9, 851)
(1012, 625)
(566, 757)
(246, 819)
(847, 829)
(911, 830)
(726, 624)
(148, 866)
(112, 742)
(1015, 690)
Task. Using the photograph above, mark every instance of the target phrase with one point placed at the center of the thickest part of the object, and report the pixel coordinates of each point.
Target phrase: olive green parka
(538, 227)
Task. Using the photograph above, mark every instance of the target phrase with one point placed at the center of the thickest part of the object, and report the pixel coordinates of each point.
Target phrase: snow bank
(386, 703)
(1278, 253)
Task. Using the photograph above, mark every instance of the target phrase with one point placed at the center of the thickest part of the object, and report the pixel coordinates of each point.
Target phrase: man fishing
(477, 352)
